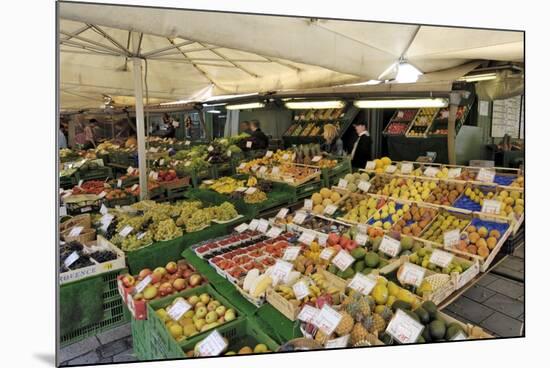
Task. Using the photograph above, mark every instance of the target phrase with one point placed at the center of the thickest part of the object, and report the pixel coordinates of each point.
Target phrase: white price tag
(254, 167)
(143, 283)
(177, 310)
(129, 170)
(285, 157)
(268, 154)
(491, 206)
(300, 289)
(299, 218)
(362, 283)
(322, 239)
(308, 313)
(241, 166)
(71, 259)
(400, 114)
(103, 210)
(210, 148)
(390, 246)
(241, 189)
(454, 173)
(308, 204)
(154, 149)
(370, 165)
(250, 190)
(263, 225)
(274, 232)
(342, 183)
(441, 258)
(253, 225)
(249, 144)
(134, 187)
(406, 168)
(431, 172)
(187, 143)
(361, 238)
(330, 209)
(102, 194)
(119, 183)
(281, 271)
(412, 274)
(80, 182)
(241, 228)
(343, 260)
(208, 182)
(62, 211)
(275, 170)
(316, 158)
(390, 169)
(340, 342)
(229, 153)
(282, 213)
(362, 228)
(327, 320)
(364, 185)
(291, 253)
(161, 162)
(141, 235)
(403, 328)
(75, 231)
(485, 175)
(263, 170)
(213, 345)
(326, 254)
(153, 175)
(125, 231)
(307, 237)
(451, 238)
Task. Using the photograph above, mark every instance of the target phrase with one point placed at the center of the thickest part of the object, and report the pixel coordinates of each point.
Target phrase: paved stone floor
(495, 303)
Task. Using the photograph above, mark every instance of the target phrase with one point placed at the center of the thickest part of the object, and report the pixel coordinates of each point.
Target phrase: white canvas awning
(192, 55)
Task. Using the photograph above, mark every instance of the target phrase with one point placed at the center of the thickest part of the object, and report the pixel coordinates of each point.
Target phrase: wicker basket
(84, 220)
(303, 343)
(86, 235)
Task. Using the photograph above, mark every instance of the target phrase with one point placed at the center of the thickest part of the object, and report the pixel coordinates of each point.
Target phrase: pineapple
(379, 323)
(387, 314)
(358, 307)
(358, 333)
(370, 340)
(346, 324)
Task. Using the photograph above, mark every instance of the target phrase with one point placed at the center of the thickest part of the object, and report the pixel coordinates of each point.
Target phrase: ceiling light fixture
(336, 104)
(478, 77)
(401, 103)
(246, 106)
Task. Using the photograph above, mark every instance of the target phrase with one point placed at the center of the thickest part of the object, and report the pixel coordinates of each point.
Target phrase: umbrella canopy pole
(140, 125)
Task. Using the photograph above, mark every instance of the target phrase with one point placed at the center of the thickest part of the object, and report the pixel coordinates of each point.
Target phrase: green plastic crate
(239, 333)
(100, 173)
(114, 312)
(163, 345)
(331, 176)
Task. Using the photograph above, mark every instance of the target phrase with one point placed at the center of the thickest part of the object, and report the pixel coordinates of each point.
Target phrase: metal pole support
(140, 127)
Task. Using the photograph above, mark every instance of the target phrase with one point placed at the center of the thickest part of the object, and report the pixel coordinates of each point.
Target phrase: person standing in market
(361, 148)
(245, 127)
(332, 144)
(89, 137)
(257, 137)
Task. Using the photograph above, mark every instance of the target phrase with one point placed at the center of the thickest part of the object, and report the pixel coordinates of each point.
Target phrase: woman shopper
(332, 143)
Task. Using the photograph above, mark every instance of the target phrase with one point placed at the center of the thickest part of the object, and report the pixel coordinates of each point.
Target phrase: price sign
(141, 235)
(281, 271)
(459, 336)
(241, 166)
(451, 238)
(308, 204)
(80, 182)
(412, 274)
(62, 211)
(291, 253)
(299, 218)
(340, 342)
(153, 175)
(241, 228)
(343, 260)
(241, 189)
(327, 320)
(454, 173)
(161, 162)
(322, 239)
(229, 153)
(129, 170)
(177, 310)
(330, 209)
(134, 187)
(316, 158)
(282, 213)
(285, 157)
(103, 209)
(362, 228)
(362, 283)
(300, 289)
(491, 206)
(268, 154)
(326, 254)
(75, 231)
(370, 165)
(102, 194)
(307, 237)
(431, 172)
(364, 185)
(210, 148)
(274, 232)
(342, 183)
(275, 170)
(71, 259)
(254, 167)
(250, 190)
(390, 246)
(361, 238)
(485, 175)
(208, 182)
(249, 144)
(253, 225)
(390, 169)
(143, 283)
(406, 168)
(403, 328)
(187, 143)
(125, 231)
(441, 258)
(213, 345)
(119, 183)
(263, 225)
(308, 313)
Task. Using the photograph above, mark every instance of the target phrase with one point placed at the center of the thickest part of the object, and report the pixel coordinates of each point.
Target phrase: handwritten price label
(291, 253)
(308, 313)
(75, 231)
(340, 342)
(343, 260)
(403, 328)
(485, 175)
(342, 183)
(307, 237)
(491, 206)
(241, 228)
(330, 209)
(326, 254)
(370, 165)
(364, 185)
(316, 158)
(406, 168)
(412, 274)
(143, 283)
(275, 170)
(361, 238)
(308, 204)
(327, 320)
(249, 144)
(187, 143)
(390, 169)
(451, 238)
(177, 310)
(431, 172)
(390, 246)
(322, 239)
(441, 258)
(263, 225)
(362, 283)
(281, 271)
(213, 345)
(253, 225)
(274, 232)
(71, 259)
(300, 290)
(125, 231)
(268, 154)
(282, 213)
(454, 173)
(299, 218)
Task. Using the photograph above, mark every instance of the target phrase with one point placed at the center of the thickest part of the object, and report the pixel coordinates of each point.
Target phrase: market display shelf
(332, 175)
(100, 173)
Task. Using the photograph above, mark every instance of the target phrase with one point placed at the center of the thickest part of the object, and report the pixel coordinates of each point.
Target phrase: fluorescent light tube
(401, 103)
(337, 104)
(478, 77)
(246, 106)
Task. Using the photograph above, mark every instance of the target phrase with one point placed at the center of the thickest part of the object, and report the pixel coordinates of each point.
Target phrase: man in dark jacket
(257, 137)
(361, 148)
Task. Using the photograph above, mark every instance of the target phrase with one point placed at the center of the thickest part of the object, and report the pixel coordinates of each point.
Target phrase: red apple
(144, 273)
(187, 274)
(171, 267)
(195, 279)
(128, 281)
(179, 284)
(160, 270)
(165, 289)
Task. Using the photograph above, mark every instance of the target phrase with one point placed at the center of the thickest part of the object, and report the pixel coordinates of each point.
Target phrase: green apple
(205, 298)
(221, 310)
(199, 323)
(229, 315)
(193, 299)
(211, 317)
(201, 312)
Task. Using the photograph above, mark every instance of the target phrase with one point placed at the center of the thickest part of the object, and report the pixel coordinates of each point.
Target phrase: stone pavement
(495, 302)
